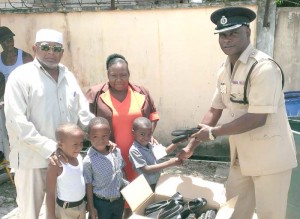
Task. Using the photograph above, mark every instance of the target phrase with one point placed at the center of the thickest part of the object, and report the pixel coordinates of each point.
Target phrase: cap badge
(223, 20)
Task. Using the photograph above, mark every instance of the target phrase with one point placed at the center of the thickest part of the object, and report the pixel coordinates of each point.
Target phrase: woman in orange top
(120, 102)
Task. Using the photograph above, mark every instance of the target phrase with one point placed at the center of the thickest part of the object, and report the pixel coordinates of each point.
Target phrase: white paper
(159, 151)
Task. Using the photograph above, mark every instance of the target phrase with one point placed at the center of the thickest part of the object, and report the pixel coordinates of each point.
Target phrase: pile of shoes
(209, 214)
(176, 208)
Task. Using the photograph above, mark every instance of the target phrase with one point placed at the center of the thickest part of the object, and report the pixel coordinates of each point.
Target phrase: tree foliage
(288, 3)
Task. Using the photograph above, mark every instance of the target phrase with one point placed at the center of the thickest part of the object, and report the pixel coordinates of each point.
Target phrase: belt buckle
(113, 199)
(66, 205)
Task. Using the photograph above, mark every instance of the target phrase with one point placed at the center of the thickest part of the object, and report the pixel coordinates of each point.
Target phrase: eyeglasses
(47, 47)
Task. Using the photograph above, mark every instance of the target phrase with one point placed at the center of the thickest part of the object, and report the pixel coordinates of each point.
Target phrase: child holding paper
(144, 156)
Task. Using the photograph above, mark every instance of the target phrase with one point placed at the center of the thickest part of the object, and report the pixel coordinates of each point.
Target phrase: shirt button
(232, 114)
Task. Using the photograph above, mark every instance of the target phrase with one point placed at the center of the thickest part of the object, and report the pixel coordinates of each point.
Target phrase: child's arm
(160, 166)
(171, 148)
(52, 173)
(90, 201)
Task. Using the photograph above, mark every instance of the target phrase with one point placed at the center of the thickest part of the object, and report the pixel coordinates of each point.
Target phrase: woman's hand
(112, 146)
(153, 141)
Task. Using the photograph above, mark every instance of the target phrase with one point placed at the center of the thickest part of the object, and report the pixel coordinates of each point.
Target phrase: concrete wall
(172, 52)
(287, 45)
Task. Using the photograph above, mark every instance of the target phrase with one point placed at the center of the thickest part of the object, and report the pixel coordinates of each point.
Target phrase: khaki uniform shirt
(267, 149)
(35, 105)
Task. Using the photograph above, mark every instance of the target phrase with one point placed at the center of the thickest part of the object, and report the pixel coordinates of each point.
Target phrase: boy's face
(99, 136)
(142, 135)
(71, 145)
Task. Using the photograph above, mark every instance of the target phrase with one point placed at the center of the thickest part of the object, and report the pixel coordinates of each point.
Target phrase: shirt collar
(138, 145)
(243, 57)
(92, 152)
(246, 54)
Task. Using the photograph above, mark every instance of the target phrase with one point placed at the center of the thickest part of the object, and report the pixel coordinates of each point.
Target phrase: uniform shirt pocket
(237, 91)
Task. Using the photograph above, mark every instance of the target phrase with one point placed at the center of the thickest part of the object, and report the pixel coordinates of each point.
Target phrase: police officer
(261, 142)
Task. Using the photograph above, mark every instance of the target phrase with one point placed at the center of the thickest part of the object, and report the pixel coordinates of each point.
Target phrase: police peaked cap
(230, 18)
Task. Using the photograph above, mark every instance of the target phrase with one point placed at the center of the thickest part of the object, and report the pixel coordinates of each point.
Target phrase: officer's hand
(202, 134)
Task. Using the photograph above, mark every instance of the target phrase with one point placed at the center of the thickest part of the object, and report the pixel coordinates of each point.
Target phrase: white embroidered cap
(49, 35)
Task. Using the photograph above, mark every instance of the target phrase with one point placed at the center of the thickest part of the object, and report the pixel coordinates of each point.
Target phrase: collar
(246, 54)
(61, 68)
(243, 57)
(92, 152)
(138, 145)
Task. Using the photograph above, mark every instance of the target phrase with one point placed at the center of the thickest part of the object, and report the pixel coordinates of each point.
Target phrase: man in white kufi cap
(40, 96)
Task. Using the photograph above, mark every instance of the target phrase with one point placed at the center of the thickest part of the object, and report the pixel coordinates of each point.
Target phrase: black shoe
(184, 131)
(191, 216)
(183, 134)
(194, 206)
(178, 198)
(210, 214)
(153, 209)
(171, 211)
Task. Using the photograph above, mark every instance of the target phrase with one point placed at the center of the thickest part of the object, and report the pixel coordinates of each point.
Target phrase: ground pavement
(212, 171)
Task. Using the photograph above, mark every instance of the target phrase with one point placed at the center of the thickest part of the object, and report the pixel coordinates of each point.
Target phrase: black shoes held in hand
(182, 134)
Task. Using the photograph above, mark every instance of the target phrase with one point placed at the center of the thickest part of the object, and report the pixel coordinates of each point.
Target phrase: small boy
(66, 182)
(103, 173)
(141, 153)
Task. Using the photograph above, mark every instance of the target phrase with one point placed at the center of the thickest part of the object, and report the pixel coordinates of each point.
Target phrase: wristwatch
(210, 134)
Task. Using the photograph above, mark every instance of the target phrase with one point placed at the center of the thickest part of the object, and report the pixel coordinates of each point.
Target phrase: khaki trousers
(266, 194)
(31, 187)
(78, 212)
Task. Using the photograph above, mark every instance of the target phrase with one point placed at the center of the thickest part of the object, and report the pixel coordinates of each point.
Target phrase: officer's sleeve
(265, 88)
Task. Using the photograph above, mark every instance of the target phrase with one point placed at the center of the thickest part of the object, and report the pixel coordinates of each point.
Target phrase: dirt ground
(7, 198)
(212, 171)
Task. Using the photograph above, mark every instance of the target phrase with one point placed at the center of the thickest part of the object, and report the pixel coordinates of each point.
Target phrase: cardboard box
(139, 195)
